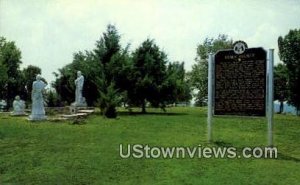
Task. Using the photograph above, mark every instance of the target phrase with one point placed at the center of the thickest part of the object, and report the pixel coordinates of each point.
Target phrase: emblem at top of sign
(239, 47)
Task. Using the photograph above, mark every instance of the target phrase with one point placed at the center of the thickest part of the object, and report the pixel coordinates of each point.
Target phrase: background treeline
(116, 76)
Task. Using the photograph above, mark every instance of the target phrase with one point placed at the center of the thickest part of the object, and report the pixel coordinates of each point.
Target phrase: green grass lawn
(63, 153)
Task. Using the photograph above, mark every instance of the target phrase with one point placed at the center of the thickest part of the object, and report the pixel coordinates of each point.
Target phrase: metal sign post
(210, 96)
(270, 96)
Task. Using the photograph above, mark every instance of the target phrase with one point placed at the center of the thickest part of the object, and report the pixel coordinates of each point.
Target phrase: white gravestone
(19, 106)
(38, 110)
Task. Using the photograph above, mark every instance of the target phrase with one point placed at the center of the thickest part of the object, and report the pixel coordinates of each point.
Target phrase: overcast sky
(48, 32)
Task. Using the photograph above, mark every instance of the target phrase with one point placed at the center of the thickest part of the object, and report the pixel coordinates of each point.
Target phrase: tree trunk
(144, 107)
(7, 97)
(281, 107)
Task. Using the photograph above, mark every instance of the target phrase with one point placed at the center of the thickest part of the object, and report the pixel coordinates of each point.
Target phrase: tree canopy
(198, 75)
(103, 68)
(289, 47)
(114, 75)
(155, 80)
(10, 76)
(149, 71)
(13, 80)
(280, 84)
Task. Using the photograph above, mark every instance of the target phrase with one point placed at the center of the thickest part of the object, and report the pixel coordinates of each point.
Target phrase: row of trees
(114, 75)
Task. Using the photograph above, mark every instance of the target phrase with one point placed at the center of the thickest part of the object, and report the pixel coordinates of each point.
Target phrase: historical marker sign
(240, 81)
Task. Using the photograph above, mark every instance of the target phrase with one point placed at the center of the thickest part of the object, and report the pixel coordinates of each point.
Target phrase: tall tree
(112, 59)
(3, 80)
(154, 81)
(280, 85)
(176, 87)
(289, 47)
(104, 69)
(198, 80)
(10, 60)
(198, 75)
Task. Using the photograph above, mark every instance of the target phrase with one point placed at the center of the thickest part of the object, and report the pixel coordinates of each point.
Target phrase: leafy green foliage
(10, 76)
(133, 79)
(109, 100)
(105, 70)
(64, 83)
(176, 88)
(198, 75)
(153, 81)
(280, 84)
(289, 47)
(198, 78)
(3, 78)
(14, 81)
(51, 98)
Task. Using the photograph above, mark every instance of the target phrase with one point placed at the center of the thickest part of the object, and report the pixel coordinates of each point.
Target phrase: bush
(109, 99)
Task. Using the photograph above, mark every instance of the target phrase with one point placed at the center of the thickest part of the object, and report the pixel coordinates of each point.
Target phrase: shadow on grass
(282, 156)
(152, 113)
(222, 144)
(238, 117)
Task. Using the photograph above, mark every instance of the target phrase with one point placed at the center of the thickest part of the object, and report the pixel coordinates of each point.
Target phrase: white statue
(79, 100)
(19, 106)
(38, 110)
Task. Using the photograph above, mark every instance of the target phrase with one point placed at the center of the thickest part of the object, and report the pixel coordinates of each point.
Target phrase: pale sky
(48, 32)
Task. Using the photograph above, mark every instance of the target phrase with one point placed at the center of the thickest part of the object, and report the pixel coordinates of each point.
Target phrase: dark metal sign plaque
(240, 82)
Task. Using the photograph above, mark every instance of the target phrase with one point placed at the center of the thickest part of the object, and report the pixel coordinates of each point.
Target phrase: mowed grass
(63, 153)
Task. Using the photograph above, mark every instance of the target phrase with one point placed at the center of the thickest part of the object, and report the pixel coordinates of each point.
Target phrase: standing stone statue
(79, 99)
(19, 107)
(38, 110)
